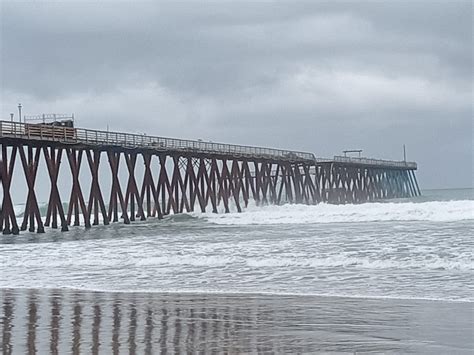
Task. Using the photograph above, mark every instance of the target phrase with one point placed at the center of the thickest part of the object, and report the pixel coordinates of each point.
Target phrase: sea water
(395, 253)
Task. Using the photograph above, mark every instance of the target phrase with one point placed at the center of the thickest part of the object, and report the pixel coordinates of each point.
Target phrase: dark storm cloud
(313, 76)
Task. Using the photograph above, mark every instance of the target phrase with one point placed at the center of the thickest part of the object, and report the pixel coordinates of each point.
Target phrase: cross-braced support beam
(175, 182)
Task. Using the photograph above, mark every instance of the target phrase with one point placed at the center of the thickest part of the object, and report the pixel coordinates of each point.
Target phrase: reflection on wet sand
(65, 321)
(7, 324)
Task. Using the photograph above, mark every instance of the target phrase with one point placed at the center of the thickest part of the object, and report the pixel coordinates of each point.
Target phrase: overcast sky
(312, 76)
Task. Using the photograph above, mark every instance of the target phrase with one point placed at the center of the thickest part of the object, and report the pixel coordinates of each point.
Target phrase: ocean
(388, 277)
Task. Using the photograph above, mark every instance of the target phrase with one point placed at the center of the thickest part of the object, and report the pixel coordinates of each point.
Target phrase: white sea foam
(73, 257)
(230, 292)
(434, 211)
(363, 263)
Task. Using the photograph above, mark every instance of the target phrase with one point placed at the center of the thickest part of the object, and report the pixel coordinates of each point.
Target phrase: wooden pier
(166, 175)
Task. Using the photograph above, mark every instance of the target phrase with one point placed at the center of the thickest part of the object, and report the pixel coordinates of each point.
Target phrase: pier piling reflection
(66, 321)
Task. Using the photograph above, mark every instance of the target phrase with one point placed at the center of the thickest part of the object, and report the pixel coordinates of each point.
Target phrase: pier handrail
(89, 137)
(370, 161)
(131, 140)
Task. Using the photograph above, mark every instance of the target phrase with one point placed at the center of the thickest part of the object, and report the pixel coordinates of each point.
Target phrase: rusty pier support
(143, 177)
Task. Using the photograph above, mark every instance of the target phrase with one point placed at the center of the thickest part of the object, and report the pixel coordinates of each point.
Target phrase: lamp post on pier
(19, 112)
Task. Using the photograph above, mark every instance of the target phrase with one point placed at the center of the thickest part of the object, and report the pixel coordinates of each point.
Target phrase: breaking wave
(433, 211)
(179, 262)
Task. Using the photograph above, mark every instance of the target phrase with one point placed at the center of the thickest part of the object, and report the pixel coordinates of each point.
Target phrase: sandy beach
(71, 321)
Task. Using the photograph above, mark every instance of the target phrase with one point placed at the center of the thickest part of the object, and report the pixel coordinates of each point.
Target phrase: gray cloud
(315, 76)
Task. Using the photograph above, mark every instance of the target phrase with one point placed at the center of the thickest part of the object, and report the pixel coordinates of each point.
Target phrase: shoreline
(237, 293)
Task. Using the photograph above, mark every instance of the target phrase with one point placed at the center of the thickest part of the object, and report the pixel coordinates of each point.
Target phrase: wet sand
(70, 321)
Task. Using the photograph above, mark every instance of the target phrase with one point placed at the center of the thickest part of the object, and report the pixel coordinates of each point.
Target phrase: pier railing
(68, 135)
(129, 140)
(379, 162)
